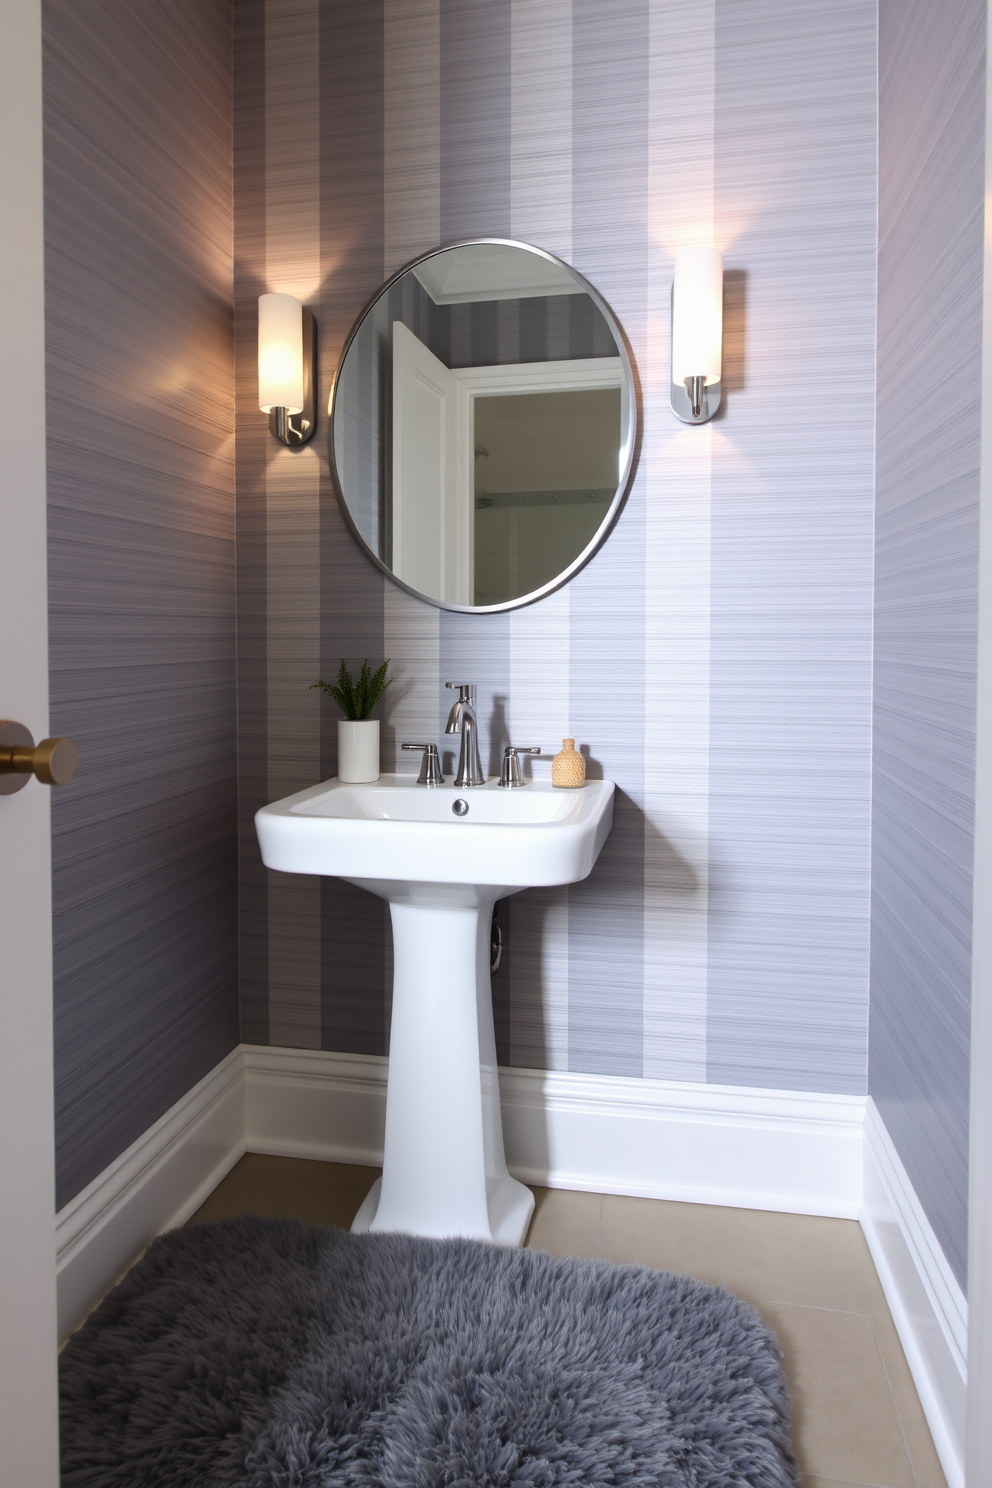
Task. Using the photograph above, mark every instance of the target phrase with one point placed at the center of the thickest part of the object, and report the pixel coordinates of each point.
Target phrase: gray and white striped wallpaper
(931, 229)
(140, 450)
(714, 658)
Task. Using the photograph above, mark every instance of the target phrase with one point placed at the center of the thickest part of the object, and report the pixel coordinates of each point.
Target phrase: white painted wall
(979, 1430)
(28, 1408)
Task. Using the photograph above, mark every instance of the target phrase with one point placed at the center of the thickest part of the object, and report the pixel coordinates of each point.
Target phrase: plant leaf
(356, 700)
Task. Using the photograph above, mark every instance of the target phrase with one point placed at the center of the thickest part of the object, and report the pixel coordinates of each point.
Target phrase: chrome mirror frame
(633, 445)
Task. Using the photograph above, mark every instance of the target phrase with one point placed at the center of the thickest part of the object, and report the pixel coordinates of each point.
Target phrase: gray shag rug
(268, 1352)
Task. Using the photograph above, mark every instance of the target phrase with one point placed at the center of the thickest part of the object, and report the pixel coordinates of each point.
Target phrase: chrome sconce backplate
(297, 428)
(697, 404)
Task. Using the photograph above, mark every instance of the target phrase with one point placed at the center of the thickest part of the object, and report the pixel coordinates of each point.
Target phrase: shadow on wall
(402, 686)
(734, 334)
(499, 734)
(532, 927)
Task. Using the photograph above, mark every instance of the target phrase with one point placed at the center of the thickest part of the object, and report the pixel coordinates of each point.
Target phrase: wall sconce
(287, 367)
(697, 334)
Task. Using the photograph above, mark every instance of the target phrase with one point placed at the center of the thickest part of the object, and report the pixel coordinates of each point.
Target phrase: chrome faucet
(430, 769)
(463, 720)
(511, 775)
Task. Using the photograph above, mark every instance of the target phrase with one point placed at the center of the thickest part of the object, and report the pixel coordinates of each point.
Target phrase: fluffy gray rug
(268, 1352)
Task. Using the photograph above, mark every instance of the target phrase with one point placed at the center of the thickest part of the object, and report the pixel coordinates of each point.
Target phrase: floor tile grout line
(895, 1404)
(847, 1482)
(809, 1306)
(845, 1312)
(599, 1225)
(754, 1298)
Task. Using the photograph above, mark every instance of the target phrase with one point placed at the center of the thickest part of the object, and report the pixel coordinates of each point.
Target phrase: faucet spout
(463, 720)
(454, 724)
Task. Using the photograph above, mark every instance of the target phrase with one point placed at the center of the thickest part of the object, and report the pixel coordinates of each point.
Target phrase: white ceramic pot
(358, 751)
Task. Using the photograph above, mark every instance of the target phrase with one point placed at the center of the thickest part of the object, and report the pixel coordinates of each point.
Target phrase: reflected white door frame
(431, 519)
(433, 453)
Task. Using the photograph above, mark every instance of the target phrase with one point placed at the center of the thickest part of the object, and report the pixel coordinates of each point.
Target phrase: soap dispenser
(568, 768)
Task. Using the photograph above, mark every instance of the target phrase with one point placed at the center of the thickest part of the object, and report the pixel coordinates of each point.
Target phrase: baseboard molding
(928, 1307)
(308, 1103)
(705, 1144)
(156, 1184)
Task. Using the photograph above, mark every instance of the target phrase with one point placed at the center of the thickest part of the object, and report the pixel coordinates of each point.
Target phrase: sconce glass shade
(280, 353)
(697, 316)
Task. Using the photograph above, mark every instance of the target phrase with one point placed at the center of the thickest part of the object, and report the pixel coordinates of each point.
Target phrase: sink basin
(441, 871)
(396, 829)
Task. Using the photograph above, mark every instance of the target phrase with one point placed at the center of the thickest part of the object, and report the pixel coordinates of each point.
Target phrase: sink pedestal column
(443, 1169)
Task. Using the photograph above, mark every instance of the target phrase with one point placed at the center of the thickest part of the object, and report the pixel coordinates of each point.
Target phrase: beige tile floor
(856, 1416)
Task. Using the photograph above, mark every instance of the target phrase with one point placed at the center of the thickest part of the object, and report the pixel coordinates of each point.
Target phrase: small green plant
(357, 699)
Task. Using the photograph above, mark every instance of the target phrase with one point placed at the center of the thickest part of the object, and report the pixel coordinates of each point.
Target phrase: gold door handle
(53, 761)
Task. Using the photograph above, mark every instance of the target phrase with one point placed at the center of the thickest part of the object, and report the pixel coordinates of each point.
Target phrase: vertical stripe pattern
(606, 614)
(411, 176)
(292, 481)
(679, 463)
(412, 214)
(475, 202)
(791, 542)
(540, 213)
(351, 590)
(251, 455)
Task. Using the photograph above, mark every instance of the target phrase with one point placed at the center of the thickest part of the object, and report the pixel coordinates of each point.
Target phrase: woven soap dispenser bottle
(568, 768)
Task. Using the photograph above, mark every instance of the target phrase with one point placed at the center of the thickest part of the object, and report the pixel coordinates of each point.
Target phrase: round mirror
(483, 425)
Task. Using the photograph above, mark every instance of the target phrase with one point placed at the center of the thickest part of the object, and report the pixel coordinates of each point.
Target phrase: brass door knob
(53, 761)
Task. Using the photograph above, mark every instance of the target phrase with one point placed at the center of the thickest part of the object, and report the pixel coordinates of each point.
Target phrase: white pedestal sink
(443, 1169)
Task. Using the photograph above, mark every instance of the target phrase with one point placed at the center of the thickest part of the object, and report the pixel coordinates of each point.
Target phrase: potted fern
(358, 731)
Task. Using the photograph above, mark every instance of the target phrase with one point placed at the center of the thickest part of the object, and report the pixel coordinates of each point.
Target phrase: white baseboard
(710, 1144)
(704, 1144)
(707, 1144)
(155, 1185)
(308, 1103)
(927, 1305)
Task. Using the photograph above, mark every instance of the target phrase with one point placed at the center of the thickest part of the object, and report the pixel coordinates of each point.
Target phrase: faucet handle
(466, 691)
(430, 770)
(510, 774)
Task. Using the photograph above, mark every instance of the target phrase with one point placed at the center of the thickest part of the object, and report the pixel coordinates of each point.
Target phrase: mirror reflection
(482, 425)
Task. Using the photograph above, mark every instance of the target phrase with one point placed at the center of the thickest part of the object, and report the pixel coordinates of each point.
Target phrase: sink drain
(460, 807)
